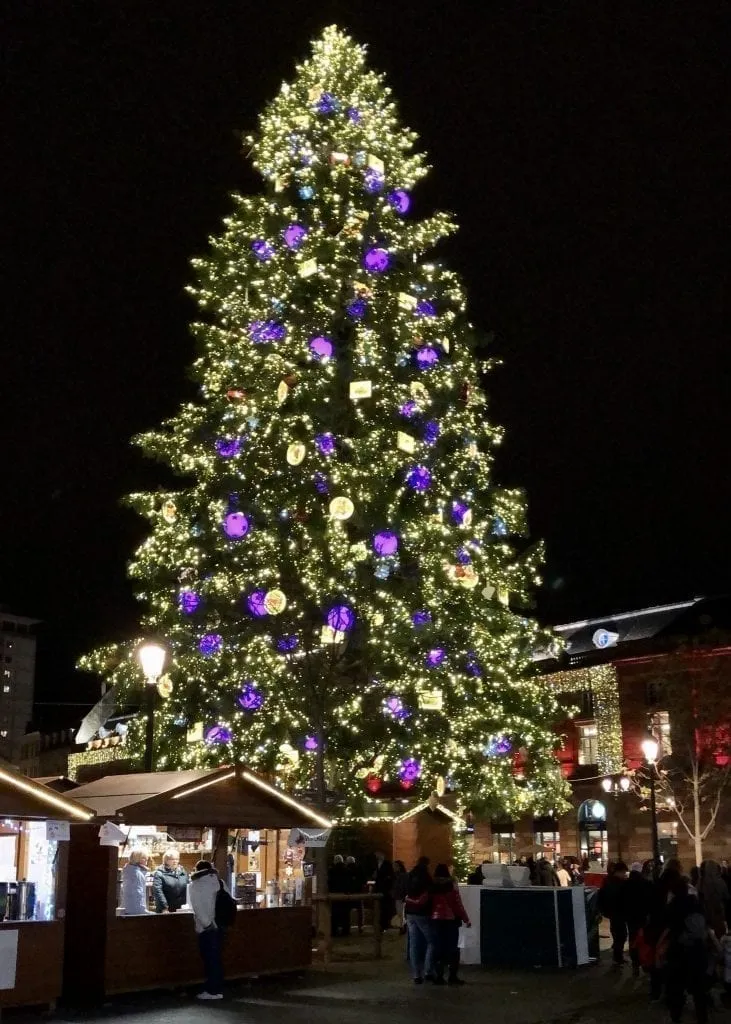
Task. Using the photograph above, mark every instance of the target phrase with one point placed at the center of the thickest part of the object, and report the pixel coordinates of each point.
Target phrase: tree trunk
(697, 839)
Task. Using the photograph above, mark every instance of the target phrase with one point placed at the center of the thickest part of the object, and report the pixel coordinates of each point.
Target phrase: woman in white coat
(134, 884)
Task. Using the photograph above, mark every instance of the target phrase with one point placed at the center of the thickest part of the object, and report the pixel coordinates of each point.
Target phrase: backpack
(225, 913)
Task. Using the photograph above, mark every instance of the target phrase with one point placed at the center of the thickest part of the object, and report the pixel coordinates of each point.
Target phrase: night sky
(579, 146)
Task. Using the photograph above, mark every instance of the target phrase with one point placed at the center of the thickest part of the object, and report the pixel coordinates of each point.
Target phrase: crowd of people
(676, 927)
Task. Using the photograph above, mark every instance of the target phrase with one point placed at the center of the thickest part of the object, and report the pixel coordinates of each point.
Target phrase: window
(6, 688)
(3, 733)
(661, 731)
(588, 752)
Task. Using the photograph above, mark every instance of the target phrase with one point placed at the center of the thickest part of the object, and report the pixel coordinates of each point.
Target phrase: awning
(229, 797)
(21, 797)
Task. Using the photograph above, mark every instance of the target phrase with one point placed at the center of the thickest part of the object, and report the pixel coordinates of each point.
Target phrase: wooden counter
(161, 950)
(38, 976)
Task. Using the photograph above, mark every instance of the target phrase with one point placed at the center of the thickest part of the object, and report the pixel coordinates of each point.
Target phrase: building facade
(17, 681)
(605, 674)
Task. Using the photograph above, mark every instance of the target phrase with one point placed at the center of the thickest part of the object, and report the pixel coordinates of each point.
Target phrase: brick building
(606, 671)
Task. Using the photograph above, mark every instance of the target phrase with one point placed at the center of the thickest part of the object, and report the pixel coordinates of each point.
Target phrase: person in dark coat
(355, 883)
(383, 884)
(612, 904)
(687, 953)
(400, 889)
(170, 884)
(636, 894)
(337, 883)
(657, 923)
(421, 951)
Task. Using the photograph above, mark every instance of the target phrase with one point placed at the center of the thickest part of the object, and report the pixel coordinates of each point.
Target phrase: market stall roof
(213, 797)
(60, 783)
(21, 797)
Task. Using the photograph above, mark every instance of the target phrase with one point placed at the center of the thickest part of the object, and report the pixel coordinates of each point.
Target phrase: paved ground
(359, 991)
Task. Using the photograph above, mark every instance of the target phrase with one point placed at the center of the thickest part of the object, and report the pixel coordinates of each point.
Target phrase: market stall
(34, 832)
(249, 829)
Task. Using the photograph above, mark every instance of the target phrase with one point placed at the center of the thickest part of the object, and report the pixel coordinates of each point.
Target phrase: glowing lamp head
(624, 783)
(607, 785)
(650, 749)
(152, 661)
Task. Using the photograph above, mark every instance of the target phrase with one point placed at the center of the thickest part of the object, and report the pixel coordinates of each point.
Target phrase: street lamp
(151, 657)
(650, 750)
(616, 786)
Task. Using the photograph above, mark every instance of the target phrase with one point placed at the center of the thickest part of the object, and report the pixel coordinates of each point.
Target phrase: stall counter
(161, 950)
(38, 943)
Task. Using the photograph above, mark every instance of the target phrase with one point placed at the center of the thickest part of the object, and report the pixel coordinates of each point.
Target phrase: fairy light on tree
(336, 461)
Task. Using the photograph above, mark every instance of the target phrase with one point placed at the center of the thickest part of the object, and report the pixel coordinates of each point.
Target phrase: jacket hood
(195, 875)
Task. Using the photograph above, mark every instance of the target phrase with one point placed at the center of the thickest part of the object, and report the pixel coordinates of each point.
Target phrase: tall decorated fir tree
(334, 578)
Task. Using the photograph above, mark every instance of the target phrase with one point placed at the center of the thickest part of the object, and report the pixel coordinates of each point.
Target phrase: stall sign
(58, 831)
(185, 834)
(111, 834)
(309, 837)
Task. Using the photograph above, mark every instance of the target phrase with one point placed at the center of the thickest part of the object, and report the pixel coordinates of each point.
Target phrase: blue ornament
(400, 201)
(425, 308)
(419, 478)
(435, 657)
(395, 707)
(306, 192)
(189, 601)
(255, 603)
(210, 644)
(409, 409)
(327, 104)
(354, 115)
(250, 699)
(325, 444)
(228, 447)
(263, 331)
(499, 527)
(357, 309)
(321, 483)
(426, 357)
(218, 734)
(463, 556)
(385, 543)
(431, 432)
(294, 236)
(262, 249)
(373, 181)
(421, 618)
(472, 665)
(459, 512)
(341, 618)
(287, 643)
(377, 260)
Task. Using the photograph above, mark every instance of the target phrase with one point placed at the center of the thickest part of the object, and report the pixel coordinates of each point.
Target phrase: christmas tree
(336, 575)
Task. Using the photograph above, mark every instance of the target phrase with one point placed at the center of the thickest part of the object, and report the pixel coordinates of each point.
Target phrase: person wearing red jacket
(447, 914)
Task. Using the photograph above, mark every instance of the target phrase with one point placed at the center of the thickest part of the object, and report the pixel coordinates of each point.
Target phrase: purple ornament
(409, 409)
(236, 525)
(418, 478)
(294, 236)
(321, 348)
(425, 308)
(255, 603)
(376, 261)
(400, 200)
(321, 484)
(354, 115)
(341, 618)
(218, 734)
(394, 706)
(357, 309)
(228, 447)
(262, 249)
(385, 543)
(287, 643)
(327, 104)
(502, 745)
(426, 357)
(311, 744)
(250, 699)
(435, 657)
(463, 556)
(459, 512)
(263, 331)
(432, 431)
(189, 601)
(472, 665)
(373, 180)
(421, 618)
(325, 444)
(210, 644)
(410, 770)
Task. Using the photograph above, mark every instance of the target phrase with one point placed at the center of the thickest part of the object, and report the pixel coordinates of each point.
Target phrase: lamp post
(616, 786)
(152, 659)
(650, 750)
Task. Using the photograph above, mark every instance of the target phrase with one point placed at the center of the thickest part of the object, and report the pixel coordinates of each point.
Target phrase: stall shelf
(108, 952)
(33, 867)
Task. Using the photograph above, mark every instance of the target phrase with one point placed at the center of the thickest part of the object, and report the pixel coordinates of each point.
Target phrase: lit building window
(661, 723)
(6, 688)
(3, 733)
(588, 747)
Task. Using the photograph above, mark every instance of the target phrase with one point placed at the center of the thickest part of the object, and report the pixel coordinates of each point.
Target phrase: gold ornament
(282, 391)
(341, 508)
(359, 551)
(430, 700)
(169, 511)
(441, 786)
(375, 163)
(378, 619)
(328, 635)
(445, 344)
(406, 301)
(165, 686)
(360, 389)
(308, 268)
(339, 158)
(418, 391)
(362, 290)
(405, 442)
(275, 602)
(503, 595)
(195, 733)
(296, 453)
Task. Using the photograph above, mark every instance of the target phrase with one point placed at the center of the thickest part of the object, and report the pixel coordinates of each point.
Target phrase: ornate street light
(151, 657)
(616, 786)
(650, 750)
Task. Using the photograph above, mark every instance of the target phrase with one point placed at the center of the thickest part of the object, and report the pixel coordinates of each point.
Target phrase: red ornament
(235, 394)
(373, 784)
(405, 784)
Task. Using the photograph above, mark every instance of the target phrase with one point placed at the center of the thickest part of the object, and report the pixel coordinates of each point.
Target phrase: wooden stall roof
(212, 797)
(59, 783)
(21, 797)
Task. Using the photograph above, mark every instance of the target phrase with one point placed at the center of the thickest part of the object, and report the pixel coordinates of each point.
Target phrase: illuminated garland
(601, 681)
(88, 758)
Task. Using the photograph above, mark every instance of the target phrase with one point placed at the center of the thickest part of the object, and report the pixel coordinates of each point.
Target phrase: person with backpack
(214, 910)
(417, 907)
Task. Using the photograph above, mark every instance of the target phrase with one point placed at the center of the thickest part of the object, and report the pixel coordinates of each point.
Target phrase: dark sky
(581, 147)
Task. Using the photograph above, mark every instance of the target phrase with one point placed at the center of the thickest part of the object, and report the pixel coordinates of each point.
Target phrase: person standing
(612, 905)
(134, 884)
(447, 914)
(546, 874)
(713, 896)
(203, 891)
(563, 875)
(337, 886)
(170, 884)
(400, 888)
(417, 907)
(636, 895)
(354, 882)
(688, 944)
(383, 884)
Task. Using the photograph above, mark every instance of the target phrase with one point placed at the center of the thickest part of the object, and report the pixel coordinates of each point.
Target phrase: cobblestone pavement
(355, 990)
